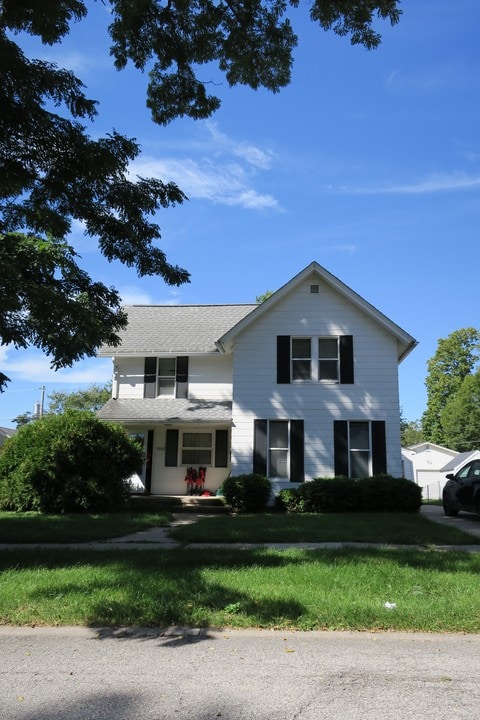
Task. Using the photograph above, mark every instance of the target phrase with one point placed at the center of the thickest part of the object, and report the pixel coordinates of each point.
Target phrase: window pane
(166, 367)
(166, 386)
(359, 464)
(278, 434)
(359, 436)
(328, 370)
(301, 348)
(328, 348)
(301, 369)
(196, 457)
(197, 440)
(279, 463)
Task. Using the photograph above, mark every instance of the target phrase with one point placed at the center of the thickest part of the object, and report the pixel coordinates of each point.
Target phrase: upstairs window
(315, 359)
(166, 376)
(328, 359)
(301, 359)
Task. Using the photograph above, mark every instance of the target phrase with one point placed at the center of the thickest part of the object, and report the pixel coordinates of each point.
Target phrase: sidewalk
(158, 538)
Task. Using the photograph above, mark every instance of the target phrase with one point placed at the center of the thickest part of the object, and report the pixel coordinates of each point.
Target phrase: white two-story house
(303, 385)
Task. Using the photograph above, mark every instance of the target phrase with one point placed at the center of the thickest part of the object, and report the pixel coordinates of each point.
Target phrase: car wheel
(448, 508)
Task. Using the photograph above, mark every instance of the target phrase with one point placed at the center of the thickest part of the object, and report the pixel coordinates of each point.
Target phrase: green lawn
(342, 589)
(37, 528)
(400, 528)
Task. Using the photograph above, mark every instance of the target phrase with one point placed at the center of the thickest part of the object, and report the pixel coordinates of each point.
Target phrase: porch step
(179, 503)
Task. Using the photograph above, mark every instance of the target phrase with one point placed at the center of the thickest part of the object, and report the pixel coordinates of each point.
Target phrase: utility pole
(42, 400)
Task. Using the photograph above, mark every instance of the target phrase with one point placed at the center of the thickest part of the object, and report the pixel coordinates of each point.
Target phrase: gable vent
(314, 289)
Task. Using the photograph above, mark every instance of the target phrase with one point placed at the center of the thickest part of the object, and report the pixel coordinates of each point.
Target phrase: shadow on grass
(191, 588)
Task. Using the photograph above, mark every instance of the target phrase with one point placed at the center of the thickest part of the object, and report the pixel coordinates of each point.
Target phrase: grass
(399, 528)
(305, 590)
(36, 528)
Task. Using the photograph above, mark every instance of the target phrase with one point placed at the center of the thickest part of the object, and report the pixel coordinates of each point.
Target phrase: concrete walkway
(158, 538)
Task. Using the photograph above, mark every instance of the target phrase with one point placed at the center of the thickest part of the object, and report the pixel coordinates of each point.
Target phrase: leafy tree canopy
(461, 416)
(456, 357)
(92, 399)
(54, 173)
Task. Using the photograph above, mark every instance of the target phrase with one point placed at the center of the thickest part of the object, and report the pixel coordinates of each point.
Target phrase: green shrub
(380, 493)
(67, 463)
(384, 493)
(247, 493)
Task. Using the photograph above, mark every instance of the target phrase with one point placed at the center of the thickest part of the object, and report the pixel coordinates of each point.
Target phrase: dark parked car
(462, 491)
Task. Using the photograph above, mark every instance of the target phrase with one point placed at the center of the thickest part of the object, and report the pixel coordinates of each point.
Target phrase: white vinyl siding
(373, 396)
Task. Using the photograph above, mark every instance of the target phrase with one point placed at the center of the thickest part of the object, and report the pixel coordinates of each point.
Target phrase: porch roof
(166, 410)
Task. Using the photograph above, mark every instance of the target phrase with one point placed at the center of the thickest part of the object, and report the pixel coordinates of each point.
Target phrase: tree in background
(54, 173)
(264, 296)
(92, 399)
(411, 432)
(456, 357)
(460, 417)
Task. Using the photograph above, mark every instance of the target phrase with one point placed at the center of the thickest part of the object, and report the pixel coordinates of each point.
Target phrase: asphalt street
(86, 674)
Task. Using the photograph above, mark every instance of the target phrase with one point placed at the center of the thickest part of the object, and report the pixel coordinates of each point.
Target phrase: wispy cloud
(212, 167)
(34, 367)
(133, 295)
(430, 79)
(434, 184)
(226, 183)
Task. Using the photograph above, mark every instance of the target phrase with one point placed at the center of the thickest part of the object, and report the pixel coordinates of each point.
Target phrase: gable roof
(405, 342)
(460, 460)
(175, 329)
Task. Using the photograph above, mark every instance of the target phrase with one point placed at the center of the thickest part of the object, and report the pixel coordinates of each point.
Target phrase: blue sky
(368, 163)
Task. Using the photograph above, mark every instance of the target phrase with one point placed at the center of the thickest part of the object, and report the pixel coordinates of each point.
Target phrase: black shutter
(148, 463)
(297, 472)
(150, 378)
(182, 377)
(346, 359)
(171, 448)
(283, 359)
(379, 447)
(260, 447)
(340, 447)
(221, 448)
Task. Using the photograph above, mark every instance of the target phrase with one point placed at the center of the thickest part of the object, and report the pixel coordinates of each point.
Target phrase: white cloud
(255, 156)
(34, 367)
(433, 184)
(226, 184)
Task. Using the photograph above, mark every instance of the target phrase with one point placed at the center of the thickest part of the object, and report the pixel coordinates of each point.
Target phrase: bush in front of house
(384, 493)
(380, 493)
(67, 463)
(247, 493)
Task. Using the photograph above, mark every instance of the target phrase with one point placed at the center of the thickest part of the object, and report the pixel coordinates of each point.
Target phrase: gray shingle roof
(171, 410)
(175, 328)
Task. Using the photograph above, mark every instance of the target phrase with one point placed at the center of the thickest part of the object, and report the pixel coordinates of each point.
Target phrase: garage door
(432, 483)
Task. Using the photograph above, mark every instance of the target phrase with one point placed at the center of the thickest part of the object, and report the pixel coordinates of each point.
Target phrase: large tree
(456, 357)
(461, 416)
(54, 173)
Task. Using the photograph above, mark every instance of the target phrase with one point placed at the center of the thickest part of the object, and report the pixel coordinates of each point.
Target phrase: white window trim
(269, 449)
(315, 359)
(158, 376)
(195, 431)
(354, 450)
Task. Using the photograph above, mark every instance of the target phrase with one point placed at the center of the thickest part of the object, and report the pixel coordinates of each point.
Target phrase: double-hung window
(196, 448)
(328, 360)
(315, 359)
(322, 359)
(166, 373)
(278, 446)
(360, 447)
(301, 359)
